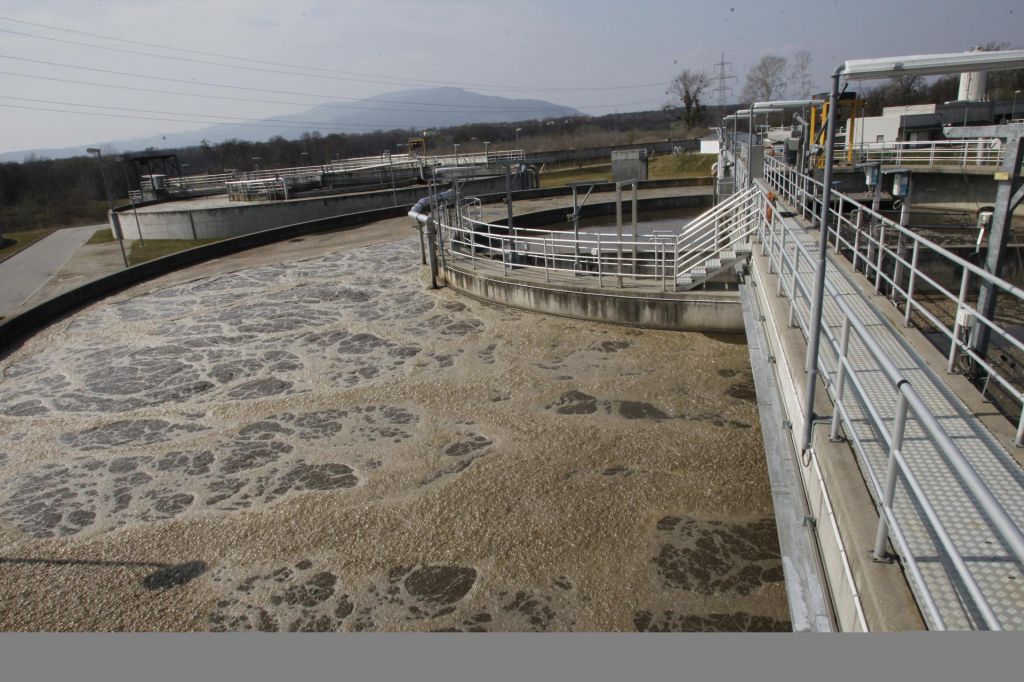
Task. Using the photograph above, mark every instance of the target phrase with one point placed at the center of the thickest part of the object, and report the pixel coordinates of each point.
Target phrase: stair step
(713, 264)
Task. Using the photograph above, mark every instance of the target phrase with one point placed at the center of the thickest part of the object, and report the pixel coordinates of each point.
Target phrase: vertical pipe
(814, 336)
(600, 282)
(508, 197)
(192, 224)
(618, 230)
(635, 239)
(575, 231)
(882, 534)
(431, 233)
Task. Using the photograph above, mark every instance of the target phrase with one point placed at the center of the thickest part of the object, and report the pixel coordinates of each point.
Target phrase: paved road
(26, 272)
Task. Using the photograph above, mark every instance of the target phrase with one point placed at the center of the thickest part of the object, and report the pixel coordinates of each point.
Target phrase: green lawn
(104, 236)
(13, 242)
(681, 166)
(559, 178)
(157, 248)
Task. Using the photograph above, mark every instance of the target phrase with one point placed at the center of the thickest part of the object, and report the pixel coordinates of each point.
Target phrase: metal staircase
(717, 240)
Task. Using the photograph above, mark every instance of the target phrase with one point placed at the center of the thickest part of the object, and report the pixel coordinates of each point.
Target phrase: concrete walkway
(24, 273)
(996, 571)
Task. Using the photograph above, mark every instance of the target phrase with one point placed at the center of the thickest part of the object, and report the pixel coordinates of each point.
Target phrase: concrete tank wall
(699, 311)
(238, 218)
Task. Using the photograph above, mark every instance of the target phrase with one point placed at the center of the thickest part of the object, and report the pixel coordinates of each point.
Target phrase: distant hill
(416, 109)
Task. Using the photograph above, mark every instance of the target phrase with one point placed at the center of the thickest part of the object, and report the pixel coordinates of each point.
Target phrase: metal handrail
(797, 188)
(909, 400)
(559, 254)
(562, 254)
(975, 152)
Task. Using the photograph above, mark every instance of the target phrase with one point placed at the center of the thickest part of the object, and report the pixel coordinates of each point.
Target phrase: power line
(284, 122)
(348, 75)
(157, 118)
(459, 108)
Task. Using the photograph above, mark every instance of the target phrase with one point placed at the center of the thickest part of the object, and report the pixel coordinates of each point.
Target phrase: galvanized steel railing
(890, 255)
(606, 258)
(979, 152)
(624, 258)
(785, 256)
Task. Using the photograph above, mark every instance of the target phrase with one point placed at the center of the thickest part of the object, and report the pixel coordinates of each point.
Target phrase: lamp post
(517, 138)
(1013, 106)
(135, 210)
(110, 202)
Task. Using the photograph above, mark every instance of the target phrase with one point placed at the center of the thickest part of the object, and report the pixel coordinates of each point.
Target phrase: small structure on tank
(629, 164)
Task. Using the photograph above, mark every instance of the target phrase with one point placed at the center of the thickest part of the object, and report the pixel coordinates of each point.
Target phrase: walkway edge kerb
(17, 328)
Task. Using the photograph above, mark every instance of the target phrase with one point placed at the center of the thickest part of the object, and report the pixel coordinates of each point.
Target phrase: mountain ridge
(413, 109)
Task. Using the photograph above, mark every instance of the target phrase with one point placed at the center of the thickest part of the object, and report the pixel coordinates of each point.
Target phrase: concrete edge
(842, 508)
(682, 312)
(809, 606)
(18, 327)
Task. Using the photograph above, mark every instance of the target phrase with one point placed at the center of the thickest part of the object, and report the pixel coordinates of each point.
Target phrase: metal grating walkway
(998, 574)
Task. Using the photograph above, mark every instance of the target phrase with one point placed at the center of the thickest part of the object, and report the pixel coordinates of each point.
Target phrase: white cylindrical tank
(972, 85)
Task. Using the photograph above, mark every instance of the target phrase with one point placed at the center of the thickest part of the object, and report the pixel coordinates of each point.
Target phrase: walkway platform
(998, 574)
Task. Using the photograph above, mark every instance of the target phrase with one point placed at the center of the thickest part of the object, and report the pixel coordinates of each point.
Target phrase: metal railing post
(600, 282)
(889, 492)
(844, 346)
(954, 346)
(782, 259)
(881, 256)
(544, 246)
(792, 284)
(910, 285)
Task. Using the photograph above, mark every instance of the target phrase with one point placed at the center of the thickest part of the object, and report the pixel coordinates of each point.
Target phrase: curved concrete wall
(238, 218)
(696, 311)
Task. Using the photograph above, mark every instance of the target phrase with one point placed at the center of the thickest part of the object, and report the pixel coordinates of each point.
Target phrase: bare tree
(800, 75)
(688, 87)
(766, 80)
(904, 88)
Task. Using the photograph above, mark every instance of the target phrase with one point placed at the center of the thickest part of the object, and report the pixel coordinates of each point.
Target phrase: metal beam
(1009, 191)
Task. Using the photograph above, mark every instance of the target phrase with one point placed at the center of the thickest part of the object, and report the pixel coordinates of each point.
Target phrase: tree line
(39, 192)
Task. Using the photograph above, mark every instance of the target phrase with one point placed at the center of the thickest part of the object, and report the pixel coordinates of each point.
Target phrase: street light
(110, 202)
(1013, 107)
(517, 137)
(131, 198)
(868, 69)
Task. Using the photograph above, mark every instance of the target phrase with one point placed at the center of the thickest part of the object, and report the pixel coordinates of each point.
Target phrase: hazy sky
(596, 55)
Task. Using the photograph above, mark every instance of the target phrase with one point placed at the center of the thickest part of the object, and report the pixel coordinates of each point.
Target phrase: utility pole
(115, 223)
